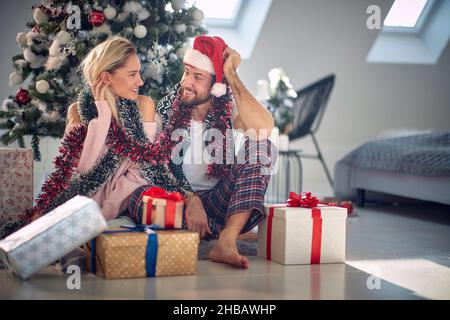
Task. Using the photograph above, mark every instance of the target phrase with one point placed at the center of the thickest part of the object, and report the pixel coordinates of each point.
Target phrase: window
(405, 13)
(414, 32)
(218, 13)
(238, 22)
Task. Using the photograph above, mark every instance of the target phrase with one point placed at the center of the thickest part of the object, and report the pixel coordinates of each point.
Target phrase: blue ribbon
(151, 250)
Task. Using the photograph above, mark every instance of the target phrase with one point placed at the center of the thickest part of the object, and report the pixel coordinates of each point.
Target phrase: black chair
(309, 108)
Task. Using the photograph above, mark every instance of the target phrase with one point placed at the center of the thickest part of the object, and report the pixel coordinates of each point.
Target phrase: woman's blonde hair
(107, 56)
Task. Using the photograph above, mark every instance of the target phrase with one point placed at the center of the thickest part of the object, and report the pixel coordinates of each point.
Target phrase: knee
(261, 152)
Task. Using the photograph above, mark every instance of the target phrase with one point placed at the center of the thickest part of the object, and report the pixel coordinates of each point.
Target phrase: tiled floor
(398, 252)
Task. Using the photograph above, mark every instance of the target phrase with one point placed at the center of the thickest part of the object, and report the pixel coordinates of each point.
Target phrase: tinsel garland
(127, 141)
(218, 117)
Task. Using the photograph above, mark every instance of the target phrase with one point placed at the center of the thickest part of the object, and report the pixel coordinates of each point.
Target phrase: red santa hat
(206, 55)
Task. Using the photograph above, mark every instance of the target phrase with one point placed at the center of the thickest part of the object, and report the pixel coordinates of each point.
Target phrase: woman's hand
(196, 218)
(98, 90)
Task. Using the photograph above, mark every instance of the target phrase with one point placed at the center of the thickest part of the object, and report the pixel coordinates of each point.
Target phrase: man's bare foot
(252, 236)
(223, 252)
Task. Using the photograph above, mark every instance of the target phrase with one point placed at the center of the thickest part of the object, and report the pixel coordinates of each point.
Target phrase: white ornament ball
(15, 79)
(180, 28)
(63, 37)
(39, 16)
(29, 55)
(140, 31)
(42, 86)
(21, 38)
(110, 13)
(198, 15)
(178, 4)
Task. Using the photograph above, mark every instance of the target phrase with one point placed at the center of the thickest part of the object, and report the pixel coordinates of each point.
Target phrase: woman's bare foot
(227, 252)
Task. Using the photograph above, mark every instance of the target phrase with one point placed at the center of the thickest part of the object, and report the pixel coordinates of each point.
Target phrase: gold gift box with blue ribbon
(135, 252)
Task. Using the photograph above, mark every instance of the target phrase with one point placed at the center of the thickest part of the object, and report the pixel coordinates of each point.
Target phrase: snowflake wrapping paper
(16, 183)
(52, 236)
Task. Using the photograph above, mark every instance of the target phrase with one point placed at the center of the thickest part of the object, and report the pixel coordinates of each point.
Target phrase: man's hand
(232, 59)
(196, 218)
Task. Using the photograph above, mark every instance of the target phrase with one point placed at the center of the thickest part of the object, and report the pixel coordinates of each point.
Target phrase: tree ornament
(140, 31)
(177, 4)
(42, 86)
(15, 79)
(22, 96)
(96, 18)
(109, 12)
(198, 15)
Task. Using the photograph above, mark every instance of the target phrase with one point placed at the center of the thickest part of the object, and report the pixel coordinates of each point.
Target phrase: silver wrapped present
(52, 236)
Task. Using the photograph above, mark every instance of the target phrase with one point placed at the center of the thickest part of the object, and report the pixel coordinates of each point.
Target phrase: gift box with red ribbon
(162, 208)
(302, 231)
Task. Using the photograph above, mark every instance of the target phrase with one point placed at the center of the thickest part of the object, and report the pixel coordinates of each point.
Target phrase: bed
(415, 166)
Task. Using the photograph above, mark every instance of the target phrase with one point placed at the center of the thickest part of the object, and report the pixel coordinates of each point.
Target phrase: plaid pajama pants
(242, 189)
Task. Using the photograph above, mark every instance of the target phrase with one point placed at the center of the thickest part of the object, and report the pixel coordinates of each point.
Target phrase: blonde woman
(108, 148)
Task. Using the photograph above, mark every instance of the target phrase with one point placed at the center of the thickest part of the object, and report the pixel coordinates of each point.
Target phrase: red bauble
(96, 18)
(22, 96)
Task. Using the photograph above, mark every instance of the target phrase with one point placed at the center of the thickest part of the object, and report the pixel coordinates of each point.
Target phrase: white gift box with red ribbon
(297, 235)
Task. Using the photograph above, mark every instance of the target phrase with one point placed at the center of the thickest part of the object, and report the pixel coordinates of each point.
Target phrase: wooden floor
(398, 252)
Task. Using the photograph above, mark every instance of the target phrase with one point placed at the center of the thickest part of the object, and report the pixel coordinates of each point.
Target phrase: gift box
(142, 252)
(298, 235)
(16, 183)
(52, 236)
(162, 208)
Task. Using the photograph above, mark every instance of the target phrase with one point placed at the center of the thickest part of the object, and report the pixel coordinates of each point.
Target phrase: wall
(309, 39)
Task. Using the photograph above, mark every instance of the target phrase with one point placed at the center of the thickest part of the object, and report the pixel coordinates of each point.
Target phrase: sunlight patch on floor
(426, 278)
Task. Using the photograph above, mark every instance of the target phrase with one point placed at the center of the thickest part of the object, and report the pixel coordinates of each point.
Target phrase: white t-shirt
(196, 159)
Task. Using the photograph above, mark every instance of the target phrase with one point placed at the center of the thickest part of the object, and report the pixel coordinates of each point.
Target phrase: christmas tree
(63, 32)
(281, 99)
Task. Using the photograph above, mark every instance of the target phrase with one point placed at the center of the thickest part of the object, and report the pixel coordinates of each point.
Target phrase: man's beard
(195, 102)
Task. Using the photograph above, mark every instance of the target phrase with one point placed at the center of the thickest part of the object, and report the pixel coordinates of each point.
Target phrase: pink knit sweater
(113, 197)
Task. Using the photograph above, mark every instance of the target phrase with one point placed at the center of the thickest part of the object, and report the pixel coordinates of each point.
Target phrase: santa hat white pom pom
(219, 89)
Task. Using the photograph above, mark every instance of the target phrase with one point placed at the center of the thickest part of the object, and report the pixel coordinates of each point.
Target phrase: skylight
(213, 9)
(405, 13)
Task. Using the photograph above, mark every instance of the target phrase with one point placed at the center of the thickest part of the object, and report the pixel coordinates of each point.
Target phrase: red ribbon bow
(171, 199)
(303, 199)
